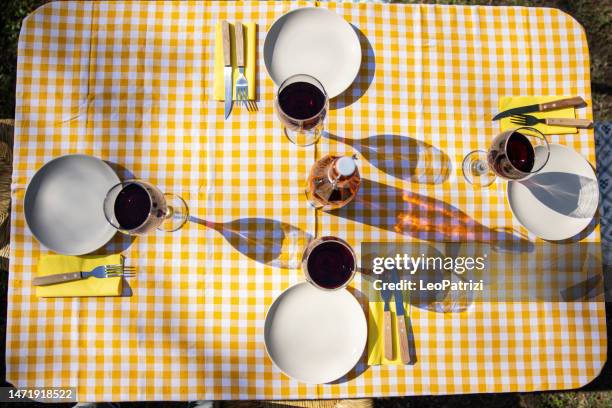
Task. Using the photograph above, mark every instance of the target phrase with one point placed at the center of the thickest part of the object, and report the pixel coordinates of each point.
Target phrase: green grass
(11, 14)
(595, 16)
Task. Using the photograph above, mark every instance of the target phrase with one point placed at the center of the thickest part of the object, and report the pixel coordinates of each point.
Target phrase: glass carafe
(333, 182)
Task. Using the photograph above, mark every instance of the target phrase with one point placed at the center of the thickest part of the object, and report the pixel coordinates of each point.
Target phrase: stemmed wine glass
(301, 105)
(513, 155)
(137, 207)
(329, 263)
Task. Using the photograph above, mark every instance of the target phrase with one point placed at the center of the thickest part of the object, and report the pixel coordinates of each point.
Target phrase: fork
(102, 271)
(242, 85)
(530, 120)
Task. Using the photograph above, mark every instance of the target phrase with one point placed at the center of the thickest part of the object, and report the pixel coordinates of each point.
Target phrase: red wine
(330, 264)
(301, 100)
(520, 152)
(132, 206)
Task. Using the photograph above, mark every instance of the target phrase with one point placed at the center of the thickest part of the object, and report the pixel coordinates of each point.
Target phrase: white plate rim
(111, 231)
(365, 334)
(559, 237)
(295, 10)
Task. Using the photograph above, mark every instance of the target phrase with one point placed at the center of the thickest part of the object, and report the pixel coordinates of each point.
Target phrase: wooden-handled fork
(530, 120)
(102, 271)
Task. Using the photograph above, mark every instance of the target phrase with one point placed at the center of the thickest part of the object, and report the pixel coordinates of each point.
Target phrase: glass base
(476, 169)
(302, 137)
(178, 213)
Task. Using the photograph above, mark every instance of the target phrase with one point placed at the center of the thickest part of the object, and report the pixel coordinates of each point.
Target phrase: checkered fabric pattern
(131, 82)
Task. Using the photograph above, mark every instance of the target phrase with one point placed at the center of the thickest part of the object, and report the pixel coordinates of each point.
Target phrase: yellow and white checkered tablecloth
(131, 82)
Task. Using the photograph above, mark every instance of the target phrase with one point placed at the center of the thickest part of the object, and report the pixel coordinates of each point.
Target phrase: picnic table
(132, 82)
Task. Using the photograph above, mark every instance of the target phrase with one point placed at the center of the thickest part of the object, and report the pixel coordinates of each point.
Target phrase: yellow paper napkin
(249, 63)
(376, 341)
(508, 102)
(52, 264)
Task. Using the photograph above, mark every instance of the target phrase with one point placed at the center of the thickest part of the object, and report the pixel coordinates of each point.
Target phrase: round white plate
(313, 41)
(63, 204)
(560, 201)
(315, 336)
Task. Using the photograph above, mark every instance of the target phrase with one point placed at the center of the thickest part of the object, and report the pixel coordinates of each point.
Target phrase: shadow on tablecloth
(267, 241)
(364, 78)
(402, 157)
(423, 217)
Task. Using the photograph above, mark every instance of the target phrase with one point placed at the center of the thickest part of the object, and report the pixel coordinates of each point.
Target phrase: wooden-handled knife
(576, 101)
(400, 315)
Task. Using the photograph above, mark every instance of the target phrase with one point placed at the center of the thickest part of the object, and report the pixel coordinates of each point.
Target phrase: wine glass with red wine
(514, 155)
(301, 104)
(329, 263)
(136, 207)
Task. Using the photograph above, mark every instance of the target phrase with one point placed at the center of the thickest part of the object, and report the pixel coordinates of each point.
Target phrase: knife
(400, 315)
(542, 107)
(227, 70)
(385, 295)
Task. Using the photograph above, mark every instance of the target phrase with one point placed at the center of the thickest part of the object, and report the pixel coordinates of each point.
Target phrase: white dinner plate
(315, 336)
(313, 41)
(63, 204)
(559, 201)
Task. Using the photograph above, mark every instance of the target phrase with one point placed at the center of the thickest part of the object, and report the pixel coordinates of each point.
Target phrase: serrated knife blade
(517, 111)
(575, 102)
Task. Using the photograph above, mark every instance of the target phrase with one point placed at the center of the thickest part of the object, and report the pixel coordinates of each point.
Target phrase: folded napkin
(250, 46)
(376, 341)
(508, 102)
(52, 264)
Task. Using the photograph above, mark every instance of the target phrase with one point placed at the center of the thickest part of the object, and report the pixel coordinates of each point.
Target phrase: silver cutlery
(387, 332)
(242, 85)
(102, 271)
(227, 70)
(530, 120)
(400, 315)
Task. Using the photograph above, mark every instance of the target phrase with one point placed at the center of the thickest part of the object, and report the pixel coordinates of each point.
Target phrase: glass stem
(169, 212)
(479, 168)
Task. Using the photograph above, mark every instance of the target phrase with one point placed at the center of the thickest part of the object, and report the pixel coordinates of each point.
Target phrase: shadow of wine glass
(569, 194)
(437, 298)
(590, 288)
(423, 217)
(566, 193)
(119, 243)
(364, 78)
(126, 288)
(402, 157)
(122, 172)
(270, 242)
